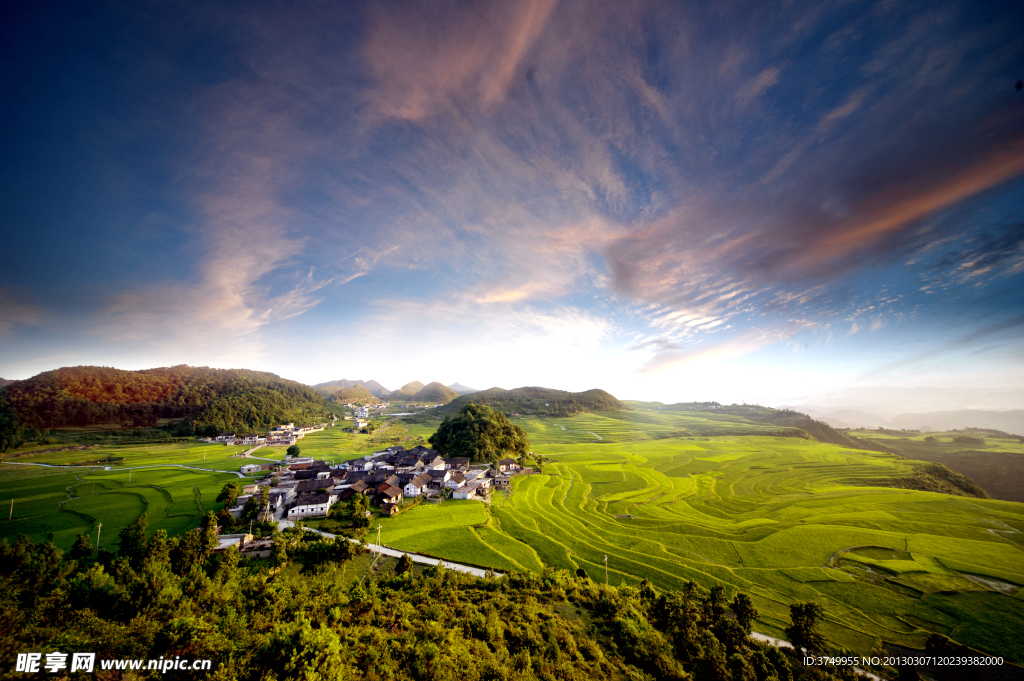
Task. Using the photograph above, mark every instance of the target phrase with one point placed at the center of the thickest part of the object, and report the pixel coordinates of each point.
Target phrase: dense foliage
(481, 434)
(84, 396)
(256, 409)
(166, 597)
(11, 430)
(355, 394)
(544, 401)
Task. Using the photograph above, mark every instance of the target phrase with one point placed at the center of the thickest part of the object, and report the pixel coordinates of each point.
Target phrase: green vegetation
(207, 399)
(936, 478)
(996, 466)
(406, 391)
(357, 394)
(668, 495)
(434, 392)
(481, 434)
(767, 515)
(319, 610)
(541, 401)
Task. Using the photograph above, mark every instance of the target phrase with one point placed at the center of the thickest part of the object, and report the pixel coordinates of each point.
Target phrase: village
(303, 487)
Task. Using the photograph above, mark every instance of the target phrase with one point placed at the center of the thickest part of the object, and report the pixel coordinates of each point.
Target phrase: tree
(404, 564)
(744, 610)
(480, 434)
(714, 605)
(264, 495)
(229, 494)
(803, 634)
(293, 451)
(251, 508)
(82, 547)
(132, 542)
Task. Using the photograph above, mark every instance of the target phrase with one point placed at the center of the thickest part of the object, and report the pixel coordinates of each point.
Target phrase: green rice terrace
(784, 519)
(668, 496)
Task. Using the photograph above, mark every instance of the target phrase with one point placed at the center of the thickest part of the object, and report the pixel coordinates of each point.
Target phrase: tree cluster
(480, 434)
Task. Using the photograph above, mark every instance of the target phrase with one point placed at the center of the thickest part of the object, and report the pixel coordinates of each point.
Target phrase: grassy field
(667, 496)
(174, 483)
(783, 519)
(997, 464)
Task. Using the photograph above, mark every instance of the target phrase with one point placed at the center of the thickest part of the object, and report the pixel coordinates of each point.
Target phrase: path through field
(416, 557)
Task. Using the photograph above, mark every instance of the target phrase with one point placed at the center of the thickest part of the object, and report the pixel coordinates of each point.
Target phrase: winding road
(395, 553)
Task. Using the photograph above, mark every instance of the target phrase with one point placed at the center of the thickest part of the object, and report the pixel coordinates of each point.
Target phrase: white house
(414, 487)
(508, 465)
(308, 505)
(455, 480)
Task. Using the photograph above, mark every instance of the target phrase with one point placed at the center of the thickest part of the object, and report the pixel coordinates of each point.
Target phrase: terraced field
(667, 496)
(58, 504)
(782, 519)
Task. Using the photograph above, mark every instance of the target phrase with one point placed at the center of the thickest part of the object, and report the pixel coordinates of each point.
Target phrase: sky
(773, 203)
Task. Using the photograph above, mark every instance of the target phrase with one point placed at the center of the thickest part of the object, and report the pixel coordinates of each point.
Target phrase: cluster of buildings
(305, 487)
(283, 435)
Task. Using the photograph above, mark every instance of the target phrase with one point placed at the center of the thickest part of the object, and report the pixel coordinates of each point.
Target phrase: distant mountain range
(373, 387)
(4, 381)
(958, 419)
(346, 390)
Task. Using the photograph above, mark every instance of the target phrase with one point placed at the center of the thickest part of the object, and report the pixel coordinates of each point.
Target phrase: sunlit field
(783, 519)
(666, 496)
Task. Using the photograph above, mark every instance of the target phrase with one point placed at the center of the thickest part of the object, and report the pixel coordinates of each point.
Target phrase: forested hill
(532, 400)
(88, 395)
(4, 381)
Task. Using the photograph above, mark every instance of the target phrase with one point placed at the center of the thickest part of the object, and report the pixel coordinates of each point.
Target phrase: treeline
(252, 410)
(166, 597)
(544, 401)
(85, 396)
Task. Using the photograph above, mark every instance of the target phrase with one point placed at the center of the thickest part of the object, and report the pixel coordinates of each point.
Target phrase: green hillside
(434, 392)
(672, 495)
(540, 401)
(355, 394)
(406, 391)
(113, 398)
(373, 386)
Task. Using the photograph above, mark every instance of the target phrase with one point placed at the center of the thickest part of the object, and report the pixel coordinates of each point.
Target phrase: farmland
(783, 519)
(668, 496)
(174, 483)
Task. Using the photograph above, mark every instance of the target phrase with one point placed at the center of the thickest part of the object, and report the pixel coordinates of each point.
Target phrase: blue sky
(747, 201)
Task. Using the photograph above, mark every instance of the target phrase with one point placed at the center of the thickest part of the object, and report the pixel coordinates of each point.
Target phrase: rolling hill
(357, 393)
(535, 400)
(435, 392)
(88, 395)
(372, 386)
(4, 381)
(462, 389)
(406, 391)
